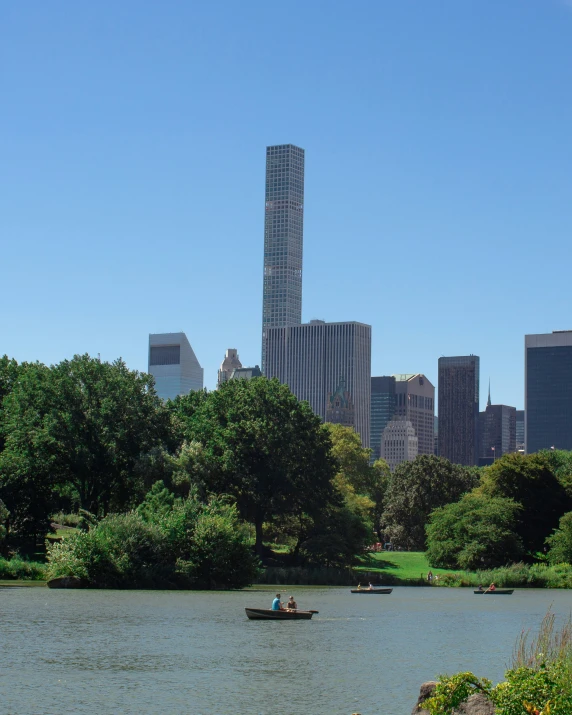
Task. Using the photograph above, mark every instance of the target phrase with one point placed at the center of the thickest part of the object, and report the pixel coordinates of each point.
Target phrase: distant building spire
(489, 400)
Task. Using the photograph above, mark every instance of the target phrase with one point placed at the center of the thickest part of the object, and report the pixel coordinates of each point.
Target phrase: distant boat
(496, 592)
(372, 590)
(267, 614)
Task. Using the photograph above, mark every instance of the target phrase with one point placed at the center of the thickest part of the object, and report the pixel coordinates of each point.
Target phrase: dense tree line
(93, 437)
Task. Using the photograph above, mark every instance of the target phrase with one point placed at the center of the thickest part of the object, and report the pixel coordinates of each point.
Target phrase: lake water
(152, 652)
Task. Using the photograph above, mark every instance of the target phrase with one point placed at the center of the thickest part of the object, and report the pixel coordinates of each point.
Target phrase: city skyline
(133, 161)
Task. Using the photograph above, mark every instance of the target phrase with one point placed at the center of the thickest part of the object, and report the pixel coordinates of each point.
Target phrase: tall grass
(547, 647)
(21, 570)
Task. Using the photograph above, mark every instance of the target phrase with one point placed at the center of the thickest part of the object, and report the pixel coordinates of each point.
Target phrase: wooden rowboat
(497, 592)
(373, 590)
(266, 614)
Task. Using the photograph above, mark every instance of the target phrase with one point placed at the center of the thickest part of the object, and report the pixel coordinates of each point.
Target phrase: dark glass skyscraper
(382, 410)
(548, 391)
(459, 408)
(283, 239)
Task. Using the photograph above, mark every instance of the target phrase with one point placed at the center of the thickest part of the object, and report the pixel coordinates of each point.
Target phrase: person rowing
(277, 604)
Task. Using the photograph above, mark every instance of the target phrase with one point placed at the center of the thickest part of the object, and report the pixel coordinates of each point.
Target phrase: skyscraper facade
(415, 401)
(520, 430)
(283, 239)
(459, 408)
(231, 362)
(382, 410)
(312, 359)
(497, 432)
(173, 364)
(399, 442)
(548, 391)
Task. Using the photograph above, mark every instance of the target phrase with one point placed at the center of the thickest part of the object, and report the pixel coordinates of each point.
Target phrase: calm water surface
(109, 653)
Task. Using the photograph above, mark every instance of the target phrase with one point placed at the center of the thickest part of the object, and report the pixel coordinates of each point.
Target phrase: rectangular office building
(382, 410)
(415, 401)
(548, 391)
(283, 239)
(459, 408)
(313, 359)
(173, 364)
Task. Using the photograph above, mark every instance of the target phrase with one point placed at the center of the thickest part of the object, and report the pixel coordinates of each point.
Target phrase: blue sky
(438, 174)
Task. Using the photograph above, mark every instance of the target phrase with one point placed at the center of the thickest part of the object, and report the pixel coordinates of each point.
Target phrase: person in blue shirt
(277, 603)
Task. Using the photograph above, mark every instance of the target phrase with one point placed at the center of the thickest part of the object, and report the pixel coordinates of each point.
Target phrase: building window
(165, 355)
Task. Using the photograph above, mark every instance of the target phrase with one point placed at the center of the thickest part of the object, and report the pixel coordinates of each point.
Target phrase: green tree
(4, 514)
(353, 461)
(27, 476)
(81, 425)
(415, 490)
(474, 533)
(530, 481)
(262, 446)
(560, 542)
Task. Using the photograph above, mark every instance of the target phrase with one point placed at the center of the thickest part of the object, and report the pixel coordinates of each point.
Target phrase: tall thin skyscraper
(283, 239)
(459, 408)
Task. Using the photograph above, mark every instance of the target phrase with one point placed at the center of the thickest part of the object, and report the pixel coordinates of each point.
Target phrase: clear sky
(438, 174)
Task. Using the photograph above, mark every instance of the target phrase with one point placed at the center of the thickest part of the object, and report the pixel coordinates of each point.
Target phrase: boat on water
(496, 592)
(267, 614)
(371, 590)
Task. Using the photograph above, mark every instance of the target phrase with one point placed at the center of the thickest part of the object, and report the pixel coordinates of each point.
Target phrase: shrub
(166, 543)
(66, 519)
(560, 542)
(474, 531)
(20, 569)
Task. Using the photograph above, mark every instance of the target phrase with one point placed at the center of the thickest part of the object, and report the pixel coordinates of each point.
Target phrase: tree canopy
(474, 533)
(530, 481)
(262, 446)
(80, 427)
(417, 488)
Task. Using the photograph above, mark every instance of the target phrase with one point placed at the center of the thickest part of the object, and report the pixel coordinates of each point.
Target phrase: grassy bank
(401, 568)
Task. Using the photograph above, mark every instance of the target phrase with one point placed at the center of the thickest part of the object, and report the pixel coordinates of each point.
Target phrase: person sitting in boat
(480, 587)
(492, 587)
(359, 587)
(277, 604)
(292, 605)
(370, 587)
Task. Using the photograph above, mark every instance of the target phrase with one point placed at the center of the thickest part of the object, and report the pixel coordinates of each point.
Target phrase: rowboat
(497, 592)
(373, 590)
(267, 614)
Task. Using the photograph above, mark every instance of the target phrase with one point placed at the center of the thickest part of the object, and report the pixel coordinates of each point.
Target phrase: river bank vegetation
(210, 488)
(538, 681)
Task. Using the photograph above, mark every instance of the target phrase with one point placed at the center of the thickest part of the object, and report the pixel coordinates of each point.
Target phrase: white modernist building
(174, 365)
(399, 442)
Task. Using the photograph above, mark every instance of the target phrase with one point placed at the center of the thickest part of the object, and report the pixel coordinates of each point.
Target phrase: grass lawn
(410, 566)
